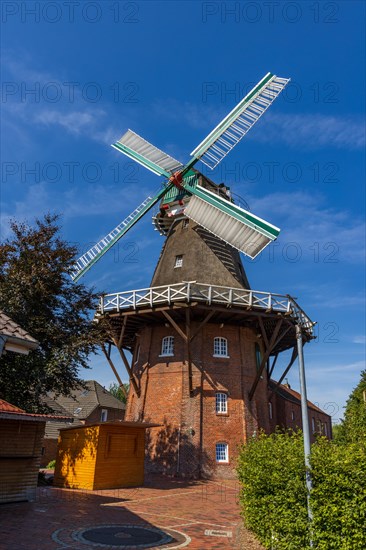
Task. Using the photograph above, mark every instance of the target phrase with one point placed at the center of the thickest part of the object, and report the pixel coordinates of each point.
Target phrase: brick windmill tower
(203, 345)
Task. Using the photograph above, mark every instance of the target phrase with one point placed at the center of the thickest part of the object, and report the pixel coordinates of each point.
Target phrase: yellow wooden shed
(105, 455)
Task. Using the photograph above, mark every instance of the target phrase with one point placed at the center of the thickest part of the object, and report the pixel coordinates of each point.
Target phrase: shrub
(273, 498)
(338, 498)
(51, 465)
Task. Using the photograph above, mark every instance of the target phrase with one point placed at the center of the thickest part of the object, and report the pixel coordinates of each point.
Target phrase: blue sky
(77, 75)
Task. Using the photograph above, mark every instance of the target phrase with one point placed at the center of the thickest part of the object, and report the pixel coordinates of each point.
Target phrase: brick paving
(57, 516)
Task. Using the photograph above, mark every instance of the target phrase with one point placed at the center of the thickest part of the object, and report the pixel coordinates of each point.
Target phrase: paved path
(56, 518)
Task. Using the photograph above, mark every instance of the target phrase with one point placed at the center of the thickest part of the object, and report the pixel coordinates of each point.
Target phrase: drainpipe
(305, 419)
(178, 449)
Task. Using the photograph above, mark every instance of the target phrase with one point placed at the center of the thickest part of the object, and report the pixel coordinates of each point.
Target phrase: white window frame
(167, 346)
(220, 346)
(178, 261)
(104, 415)
(221, 404)
(78, 410)
(222, 452)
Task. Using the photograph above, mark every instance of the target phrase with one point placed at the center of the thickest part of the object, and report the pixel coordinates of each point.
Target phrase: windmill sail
(96, 252)
(234, 225)
(239, 121)
(146, 154)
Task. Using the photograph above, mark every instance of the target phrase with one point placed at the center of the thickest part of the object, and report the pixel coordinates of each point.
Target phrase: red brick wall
(185, 444)
(287, 414)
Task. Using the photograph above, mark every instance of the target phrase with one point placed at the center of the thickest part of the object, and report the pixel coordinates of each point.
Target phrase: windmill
(201, 344)
(181, 191)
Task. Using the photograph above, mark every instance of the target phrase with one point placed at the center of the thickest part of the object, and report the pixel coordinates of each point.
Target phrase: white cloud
(313, 131)
(339, 234)
(359, 339)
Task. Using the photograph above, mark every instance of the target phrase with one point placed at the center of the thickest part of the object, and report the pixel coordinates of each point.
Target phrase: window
(220, 347)
(222, 453)
(258, 356)
(167, 346)
(292, 415)
(103, 415)
(78, 410)
(185, 224)
(270, 411)
(325, 429)
(178, 261)
(221, 403)
(313, 424)
(84, 393)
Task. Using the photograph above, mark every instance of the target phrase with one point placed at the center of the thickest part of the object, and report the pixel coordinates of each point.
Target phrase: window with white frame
(221, 403)
(220, 347)
(167, 346)
(222, 452)
(178, 261)
(103, 415)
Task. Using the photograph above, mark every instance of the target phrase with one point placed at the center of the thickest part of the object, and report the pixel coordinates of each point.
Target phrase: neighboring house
(285, 411)
(14, 338)
(87, 405)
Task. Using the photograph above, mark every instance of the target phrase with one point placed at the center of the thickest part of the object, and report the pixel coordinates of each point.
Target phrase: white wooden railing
(209, 294)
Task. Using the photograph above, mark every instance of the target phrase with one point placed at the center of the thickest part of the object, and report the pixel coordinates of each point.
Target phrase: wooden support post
(264, 358)
(108, 357)
(120, 339)
(129, 370)
(174, 325)
(273, 365)
(202, 324)
(291, 362)
(188, 347)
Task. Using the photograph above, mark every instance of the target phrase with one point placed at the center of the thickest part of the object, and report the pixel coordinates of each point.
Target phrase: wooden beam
(201, 325)
(174, 325)
(273, 365)
(291, 362)
(129, 370)
(264, 358)
(120, 340)
(263, 331)
(121, 384)
(188, 347)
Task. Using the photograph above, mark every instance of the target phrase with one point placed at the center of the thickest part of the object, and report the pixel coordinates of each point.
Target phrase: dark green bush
(273, 497)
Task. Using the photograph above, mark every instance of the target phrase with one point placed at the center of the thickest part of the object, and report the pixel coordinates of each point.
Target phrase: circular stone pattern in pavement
(127, 537)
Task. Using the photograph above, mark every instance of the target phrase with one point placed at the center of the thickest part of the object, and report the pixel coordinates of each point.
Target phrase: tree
(118, 393)
(36, 291)
(353, 427)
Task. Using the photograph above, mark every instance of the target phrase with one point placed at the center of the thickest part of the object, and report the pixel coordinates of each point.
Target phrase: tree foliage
(118, 393)
(36, 291)
(353, 427)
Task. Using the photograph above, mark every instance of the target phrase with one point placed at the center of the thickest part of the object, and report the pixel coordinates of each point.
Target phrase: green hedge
(273, 497)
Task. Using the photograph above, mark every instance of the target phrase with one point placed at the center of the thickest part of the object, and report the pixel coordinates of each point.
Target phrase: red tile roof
(293, 395)
(9, 411)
